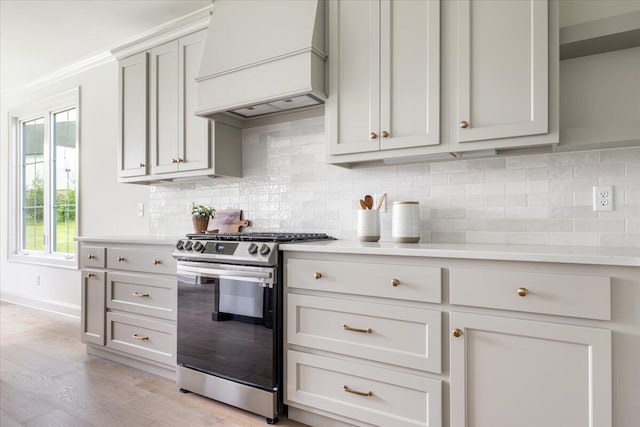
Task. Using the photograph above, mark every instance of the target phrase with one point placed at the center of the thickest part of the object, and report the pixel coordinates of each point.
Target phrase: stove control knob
(264, 250)
(252, 249)
(187, 245)
(180, 245)
(198, 247)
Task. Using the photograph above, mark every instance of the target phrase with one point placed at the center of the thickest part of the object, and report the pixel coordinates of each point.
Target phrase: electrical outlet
(38, 280)
(140, 209)
(603, 198)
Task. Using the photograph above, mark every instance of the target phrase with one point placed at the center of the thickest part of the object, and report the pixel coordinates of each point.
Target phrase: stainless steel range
(230, 318)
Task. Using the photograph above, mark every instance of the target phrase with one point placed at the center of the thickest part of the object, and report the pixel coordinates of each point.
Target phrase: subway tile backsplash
(542, 199)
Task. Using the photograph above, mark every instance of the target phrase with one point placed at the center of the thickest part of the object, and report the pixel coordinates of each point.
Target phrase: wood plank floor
(47, 379)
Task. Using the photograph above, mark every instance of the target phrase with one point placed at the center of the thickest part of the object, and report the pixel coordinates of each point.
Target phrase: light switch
(140, 209)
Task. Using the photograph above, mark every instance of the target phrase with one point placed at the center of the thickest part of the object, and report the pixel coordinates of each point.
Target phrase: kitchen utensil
(368, 200)
(381, 201)
(363, 205)
(405, 222)
(228, 221)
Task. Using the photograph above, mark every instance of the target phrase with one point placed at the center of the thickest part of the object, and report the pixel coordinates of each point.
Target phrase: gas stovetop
(239, 248)
(260, 237)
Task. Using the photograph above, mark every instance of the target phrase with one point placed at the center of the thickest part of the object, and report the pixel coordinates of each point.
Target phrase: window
(45, 180)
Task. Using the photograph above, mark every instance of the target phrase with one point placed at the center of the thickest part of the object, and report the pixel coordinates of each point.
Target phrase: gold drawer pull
(359, 393)
(156, 262)
(140, 337)
(90, 275)
(317, 275)
(91, 256)
(138, 294)
(364, 331)
(523, 292)
(456, 333)
(395, 282)
(120, 259)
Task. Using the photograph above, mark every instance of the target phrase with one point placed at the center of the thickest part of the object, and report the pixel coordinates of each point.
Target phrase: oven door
(226, 321)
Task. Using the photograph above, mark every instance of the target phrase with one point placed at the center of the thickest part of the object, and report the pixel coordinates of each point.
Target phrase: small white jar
(405, 222)
(368, 227)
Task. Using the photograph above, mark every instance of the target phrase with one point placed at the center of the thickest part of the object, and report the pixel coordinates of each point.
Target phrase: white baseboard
(45, 305)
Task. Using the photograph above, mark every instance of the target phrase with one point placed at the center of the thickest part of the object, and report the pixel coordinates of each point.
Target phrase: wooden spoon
(368, 201)
(363, 205)
(381, 201)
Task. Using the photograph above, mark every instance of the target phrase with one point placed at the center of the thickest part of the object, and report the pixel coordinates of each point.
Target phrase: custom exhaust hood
(262, 57)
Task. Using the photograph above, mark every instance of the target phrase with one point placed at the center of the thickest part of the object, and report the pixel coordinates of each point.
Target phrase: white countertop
(140, 240)
(532, 253)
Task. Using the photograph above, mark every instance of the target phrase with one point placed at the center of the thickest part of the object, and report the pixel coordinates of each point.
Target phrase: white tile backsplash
(528, 199)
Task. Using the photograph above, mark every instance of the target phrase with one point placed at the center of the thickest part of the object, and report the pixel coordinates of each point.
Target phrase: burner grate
(261, 237)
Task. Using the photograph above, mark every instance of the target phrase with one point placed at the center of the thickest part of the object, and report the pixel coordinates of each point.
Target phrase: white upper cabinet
(179, 139)
(502, 69)
(132, 157)
(384, 75)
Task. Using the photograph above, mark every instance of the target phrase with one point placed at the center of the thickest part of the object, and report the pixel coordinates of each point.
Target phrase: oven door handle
(217, 271)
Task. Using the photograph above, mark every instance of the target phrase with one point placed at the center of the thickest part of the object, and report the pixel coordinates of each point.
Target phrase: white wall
(535, 199)
(105, 207)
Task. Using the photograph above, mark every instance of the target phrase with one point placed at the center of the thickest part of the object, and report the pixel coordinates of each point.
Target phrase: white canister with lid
(405, 222)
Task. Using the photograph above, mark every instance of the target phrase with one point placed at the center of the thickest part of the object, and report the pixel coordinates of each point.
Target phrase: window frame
(44, 108)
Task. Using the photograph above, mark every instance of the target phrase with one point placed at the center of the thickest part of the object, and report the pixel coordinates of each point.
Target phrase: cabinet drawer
(140, 294)
(408, 282)
(92, 256)
(396, 398)
(143, 260)
(560, 294)
(154, 340)
(407, 337)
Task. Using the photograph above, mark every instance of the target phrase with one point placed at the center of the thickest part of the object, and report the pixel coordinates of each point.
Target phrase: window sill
(46, 261)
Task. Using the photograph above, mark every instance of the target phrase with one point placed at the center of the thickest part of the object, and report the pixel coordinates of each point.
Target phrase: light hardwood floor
(47, 379)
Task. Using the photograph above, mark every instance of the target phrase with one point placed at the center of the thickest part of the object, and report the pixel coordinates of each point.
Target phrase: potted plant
(200, 216)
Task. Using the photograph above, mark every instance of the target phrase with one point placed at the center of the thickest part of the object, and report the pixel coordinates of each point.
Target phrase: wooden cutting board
(228, 221)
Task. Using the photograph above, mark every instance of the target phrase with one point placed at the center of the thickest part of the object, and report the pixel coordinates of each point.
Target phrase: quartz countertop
(140, 240)
(559, 254)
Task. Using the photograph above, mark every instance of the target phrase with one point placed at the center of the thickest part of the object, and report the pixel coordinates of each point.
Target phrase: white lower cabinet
(512, 372)
(373, 395)
(129, 304)
(529, 344)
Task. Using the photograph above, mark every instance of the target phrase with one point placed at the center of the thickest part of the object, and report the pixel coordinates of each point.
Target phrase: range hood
(262, 57)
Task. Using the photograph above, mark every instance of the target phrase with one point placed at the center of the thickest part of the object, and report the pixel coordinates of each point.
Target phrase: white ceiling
(38, 38)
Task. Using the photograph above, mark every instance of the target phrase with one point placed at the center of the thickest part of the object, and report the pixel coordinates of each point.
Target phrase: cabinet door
(409, 73)
(503, 71)
(193, 148)
(353, 105)
(132, 159)
(93, 307)
(509, 372)
(164, 108)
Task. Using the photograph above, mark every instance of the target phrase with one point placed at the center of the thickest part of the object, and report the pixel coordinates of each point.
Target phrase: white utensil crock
(368, 228)
(405, 222)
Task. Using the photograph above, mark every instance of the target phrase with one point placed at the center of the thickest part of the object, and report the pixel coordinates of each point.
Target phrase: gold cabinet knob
(91, 256)
(373, 135)
(141, 165)
(464, 124)
(395, 282)
(317, 275)
(456, 333)
(120, 259)
(156, 262)
(90, 275)
(384, 134)
(180, 160)
(174, 160)
(523, 292)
